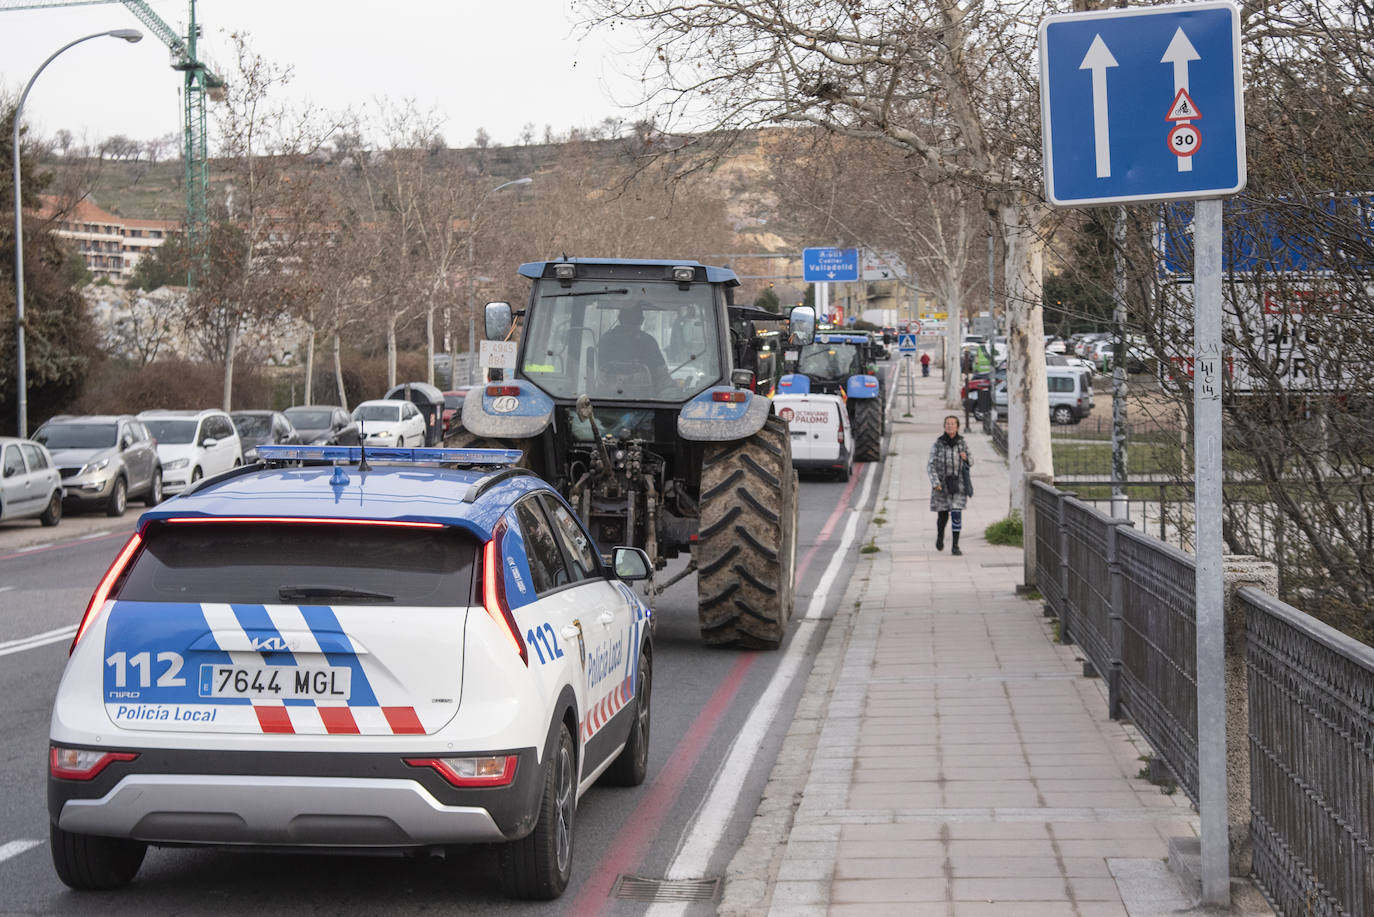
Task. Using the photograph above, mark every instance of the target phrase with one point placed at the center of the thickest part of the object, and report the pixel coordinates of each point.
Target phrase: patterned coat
(944, 460)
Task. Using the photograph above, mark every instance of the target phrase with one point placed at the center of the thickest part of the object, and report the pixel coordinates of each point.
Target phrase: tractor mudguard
(706, 420)
(861, 387)
(518, 412)
(794, 384)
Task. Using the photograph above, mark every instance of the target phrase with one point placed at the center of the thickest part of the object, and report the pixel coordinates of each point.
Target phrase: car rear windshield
(77, 435)
(302, 564)
(311, 420)
(171, 431)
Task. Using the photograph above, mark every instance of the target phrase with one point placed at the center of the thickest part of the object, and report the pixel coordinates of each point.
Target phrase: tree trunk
(310, 369)
(230, 345)
(429, 341)
(954, 319)
(391, 351)
(1028, 405)
(338, 373)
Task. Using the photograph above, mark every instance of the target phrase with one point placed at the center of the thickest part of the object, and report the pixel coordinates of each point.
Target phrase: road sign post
(1146, 104)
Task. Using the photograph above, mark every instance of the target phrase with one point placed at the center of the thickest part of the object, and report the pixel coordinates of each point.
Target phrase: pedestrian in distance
(950, 484)
(925, 364)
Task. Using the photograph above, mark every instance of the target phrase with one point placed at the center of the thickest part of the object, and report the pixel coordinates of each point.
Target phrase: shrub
(1008, 531)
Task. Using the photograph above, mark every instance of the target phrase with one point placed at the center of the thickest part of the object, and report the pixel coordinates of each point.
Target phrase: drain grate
(642, 888)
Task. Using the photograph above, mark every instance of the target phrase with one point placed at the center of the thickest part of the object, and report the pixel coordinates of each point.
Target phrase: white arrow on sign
(1180, 53)
(1098, 59)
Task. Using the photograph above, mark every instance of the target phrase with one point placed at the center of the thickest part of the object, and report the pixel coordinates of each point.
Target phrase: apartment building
(111, 245)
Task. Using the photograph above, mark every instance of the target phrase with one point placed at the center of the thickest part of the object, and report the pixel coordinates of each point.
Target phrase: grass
(871, 547)
(1009, 531)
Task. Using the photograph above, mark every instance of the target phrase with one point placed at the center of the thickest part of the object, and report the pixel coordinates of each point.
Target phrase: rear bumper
(294, 800)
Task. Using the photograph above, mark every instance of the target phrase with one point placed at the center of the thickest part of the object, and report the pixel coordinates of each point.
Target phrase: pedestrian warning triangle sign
(1183, 109)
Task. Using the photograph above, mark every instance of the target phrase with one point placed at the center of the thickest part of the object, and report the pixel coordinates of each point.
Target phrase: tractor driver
(627, 342)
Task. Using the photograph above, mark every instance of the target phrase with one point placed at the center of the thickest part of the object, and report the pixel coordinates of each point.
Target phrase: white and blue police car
(405, 649)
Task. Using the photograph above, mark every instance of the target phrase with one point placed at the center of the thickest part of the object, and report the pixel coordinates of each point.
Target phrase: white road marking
(7, 588)
(34, 642)
(722, 802)
(14, 848)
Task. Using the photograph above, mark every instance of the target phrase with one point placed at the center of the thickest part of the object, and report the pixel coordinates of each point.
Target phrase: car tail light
(494, 597)
(107, 583)
(82, 763)
(494, 770)
(732, 397)
(497, 391)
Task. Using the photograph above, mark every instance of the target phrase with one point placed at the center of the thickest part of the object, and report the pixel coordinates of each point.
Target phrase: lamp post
(472, 280)
(129, 35)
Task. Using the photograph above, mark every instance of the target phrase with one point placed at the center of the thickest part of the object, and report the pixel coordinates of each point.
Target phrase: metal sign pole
(1207, 451)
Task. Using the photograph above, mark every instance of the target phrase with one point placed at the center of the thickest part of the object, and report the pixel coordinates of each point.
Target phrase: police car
(402, 649)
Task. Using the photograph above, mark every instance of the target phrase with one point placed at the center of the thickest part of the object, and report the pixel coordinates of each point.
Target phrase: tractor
(627, 393)
(842, 363)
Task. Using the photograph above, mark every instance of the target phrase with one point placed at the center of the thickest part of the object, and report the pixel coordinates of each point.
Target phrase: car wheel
(632, 764)
(53, 514)
(90, 863)
(1062, 414)
(118, 500)
(538, 866)
(154, 495)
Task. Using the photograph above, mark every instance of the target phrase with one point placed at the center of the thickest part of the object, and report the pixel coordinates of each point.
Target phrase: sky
(490, 64)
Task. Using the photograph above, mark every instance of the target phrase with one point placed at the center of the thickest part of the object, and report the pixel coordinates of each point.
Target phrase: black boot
(954, 543)
(940, 521)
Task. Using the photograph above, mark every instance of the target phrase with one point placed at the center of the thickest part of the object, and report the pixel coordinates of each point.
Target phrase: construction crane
(201, 82)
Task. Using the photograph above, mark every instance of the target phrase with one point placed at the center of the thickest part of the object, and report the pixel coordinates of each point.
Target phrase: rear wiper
(294, 593)
(584, 293)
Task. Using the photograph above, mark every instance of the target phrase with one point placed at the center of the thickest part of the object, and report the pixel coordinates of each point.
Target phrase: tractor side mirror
(803, 325)
(498, 320)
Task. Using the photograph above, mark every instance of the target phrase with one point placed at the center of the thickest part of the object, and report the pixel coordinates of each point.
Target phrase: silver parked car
(104, 460)
(29, 483)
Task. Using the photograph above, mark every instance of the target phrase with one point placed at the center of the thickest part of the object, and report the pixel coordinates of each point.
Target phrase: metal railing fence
(1128, 599)
(1311, 691)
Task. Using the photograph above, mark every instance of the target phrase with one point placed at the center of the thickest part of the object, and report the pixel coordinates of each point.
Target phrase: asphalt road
(701, 699)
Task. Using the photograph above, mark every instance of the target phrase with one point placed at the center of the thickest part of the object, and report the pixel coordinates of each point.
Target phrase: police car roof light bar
(413, 456)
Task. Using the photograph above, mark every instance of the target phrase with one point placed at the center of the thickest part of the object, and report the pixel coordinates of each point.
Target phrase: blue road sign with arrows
(1142, 104)
(830, 265)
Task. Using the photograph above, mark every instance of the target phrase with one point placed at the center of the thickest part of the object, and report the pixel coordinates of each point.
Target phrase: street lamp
(472, 281)
(129, 35)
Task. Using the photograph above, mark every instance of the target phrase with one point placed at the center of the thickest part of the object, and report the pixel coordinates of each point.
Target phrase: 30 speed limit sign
(1184, 140)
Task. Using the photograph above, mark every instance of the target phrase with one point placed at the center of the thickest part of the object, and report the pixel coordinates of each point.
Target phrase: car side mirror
(208, 441)
(11, 472)
(498, 320)
(803, 324)
(631, 564)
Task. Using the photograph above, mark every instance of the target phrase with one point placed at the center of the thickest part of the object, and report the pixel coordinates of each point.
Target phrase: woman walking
(949, 490)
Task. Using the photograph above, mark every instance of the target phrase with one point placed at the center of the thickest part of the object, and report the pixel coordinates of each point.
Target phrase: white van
(822, 437)
(1071, 394)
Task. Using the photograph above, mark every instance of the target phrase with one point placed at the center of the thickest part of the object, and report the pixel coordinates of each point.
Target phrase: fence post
(1029, 548)
(1064, 629)
(1118, 622)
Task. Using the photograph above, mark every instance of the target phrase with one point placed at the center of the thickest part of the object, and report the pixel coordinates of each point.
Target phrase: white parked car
(822, 436)
(30, 485)
(390, 423)
(193, 445)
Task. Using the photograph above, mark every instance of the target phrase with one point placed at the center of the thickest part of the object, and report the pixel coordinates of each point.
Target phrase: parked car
(390, 423)
(405, 660)
(453, 408)
(258, 427)
(103, 460)
(1070, 395)
(822, 436)
(430, 402)
(29, 483)
(193, 445)
(323, 425)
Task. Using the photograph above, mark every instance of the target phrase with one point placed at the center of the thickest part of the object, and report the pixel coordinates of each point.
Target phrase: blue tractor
(627, 394)
(842, 363)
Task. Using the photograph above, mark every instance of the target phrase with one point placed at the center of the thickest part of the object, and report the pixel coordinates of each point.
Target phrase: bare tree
(953, 85)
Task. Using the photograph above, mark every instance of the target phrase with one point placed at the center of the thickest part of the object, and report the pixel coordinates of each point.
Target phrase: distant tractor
(842, 363)
(633, 393)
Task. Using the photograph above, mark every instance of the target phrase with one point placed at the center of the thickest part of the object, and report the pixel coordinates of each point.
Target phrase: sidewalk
(948, 756)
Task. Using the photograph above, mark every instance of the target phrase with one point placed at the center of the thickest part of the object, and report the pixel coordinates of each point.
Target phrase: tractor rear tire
(868, 429)
(747, 543)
